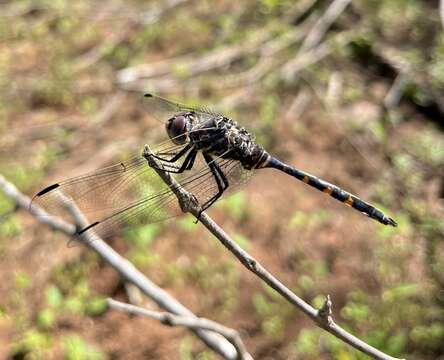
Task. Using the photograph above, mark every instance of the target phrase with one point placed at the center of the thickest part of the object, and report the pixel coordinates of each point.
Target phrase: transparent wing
(106, 191)
(164, 204)
(131, 193)
(163, 109)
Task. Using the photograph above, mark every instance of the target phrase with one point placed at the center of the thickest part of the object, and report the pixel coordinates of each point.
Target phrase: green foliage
(432, 335)
(307, 342)
(70, 294)
(22, 281)
(53, 296)
(436, 66)
(21, 176)
(33, 344)
(268, 108)
(306, 220)
(401, 310)
(426, 149)
(143, 259)
(142, 236)
(46, 318)
(221, 279)
(273, 327)
(89, 105)
(9, 227)
(415, 93)
(242, 241)
(75, 348)
(272, 310)
(394, 334)
(185, 348)
(235, 204)
(96, 306)
(187, 223)
(205, 355)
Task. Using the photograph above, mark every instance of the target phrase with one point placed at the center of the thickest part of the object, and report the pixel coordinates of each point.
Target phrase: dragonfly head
(176, 128)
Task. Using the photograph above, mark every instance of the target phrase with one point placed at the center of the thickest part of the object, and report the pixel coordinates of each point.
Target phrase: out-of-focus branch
(145, 18)
(188, 64)
(120, 264)
(397, 60)
(441, 11)
(321, 317)
(259, 44)
(191, 323)
(307, 54)
(98, 121)
(321, 26)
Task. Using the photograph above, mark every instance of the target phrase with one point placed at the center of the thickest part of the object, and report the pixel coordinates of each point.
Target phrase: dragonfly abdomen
(332, 190)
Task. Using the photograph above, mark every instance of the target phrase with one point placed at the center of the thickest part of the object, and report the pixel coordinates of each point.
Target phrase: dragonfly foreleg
(186, 165)
(176, 156)
(220, 178)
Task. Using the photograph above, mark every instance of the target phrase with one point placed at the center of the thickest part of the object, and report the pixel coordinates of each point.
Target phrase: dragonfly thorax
(223, 137)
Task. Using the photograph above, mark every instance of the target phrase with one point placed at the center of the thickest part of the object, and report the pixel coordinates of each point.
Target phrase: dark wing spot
(88, 227)
(148, 95)
(47, 189)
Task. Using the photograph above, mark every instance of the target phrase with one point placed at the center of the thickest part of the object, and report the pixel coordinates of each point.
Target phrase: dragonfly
(206, 152)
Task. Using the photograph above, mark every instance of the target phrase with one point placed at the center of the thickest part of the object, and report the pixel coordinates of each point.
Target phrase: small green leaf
(77, 349)
(22, 281)
(96, 307)
(46, 318)
(53, 296)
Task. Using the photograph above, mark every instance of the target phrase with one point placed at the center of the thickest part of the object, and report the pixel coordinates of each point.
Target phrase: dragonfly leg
(186, 165)
(220, 178)
(175, 157)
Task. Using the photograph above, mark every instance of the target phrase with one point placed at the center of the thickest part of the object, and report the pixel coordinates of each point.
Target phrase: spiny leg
(220, 178)
(186, 165)
(176, 156)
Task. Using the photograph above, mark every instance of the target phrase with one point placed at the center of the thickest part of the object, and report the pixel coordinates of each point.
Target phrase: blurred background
(349, 91)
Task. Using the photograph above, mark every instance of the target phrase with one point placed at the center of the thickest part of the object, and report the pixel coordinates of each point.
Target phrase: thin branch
(321, 317)
(394, 95)
(441, 11)
(215, 59)
(260, 44)
(321, 26)
(170, 319)
(121, 265)
(311, 49)
(145, 18)
(98, 121)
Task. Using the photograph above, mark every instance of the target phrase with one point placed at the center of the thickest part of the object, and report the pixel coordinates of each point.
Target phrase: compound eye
(176, 128)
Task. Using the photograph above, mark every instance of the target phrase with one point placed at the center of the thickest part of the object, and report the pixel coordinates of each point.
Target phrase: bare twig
(394, 95)
(321, 317)
(97, 122)
(410, 72)
(311, 50)
(321, 26)
(121, 265)
(441, 11)
(298, 105)
(188, 64)
(260, 43)
(170, 319)
(145, 18)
